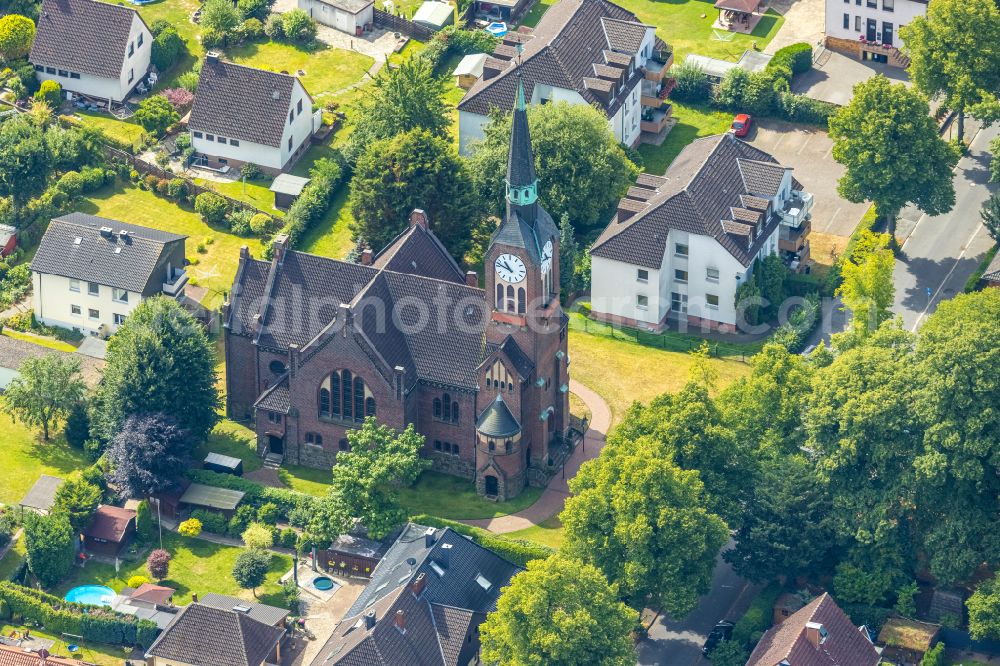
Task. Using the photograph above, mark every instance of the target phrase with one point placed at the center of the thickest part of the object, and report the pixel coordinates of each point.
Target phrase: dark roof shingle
(206, 636)
(110, 523)
(84, 36)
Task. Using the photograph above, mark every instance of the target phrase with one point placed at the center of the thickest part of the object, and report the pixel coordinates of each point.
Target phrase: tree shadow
(928, 274)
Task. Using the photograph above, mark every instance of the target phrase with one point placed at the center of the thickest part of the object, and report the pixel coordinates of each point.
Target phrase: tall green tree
(984, 610)
(24, 159)
(415, 169)
(49, 543)
(893, 154)
(400, 99)
(78, 499)
(159, 361)
(569, 253)
(45, 391)
(582, 171)
(368, 477)
(787, 529)
(954, 52)
(219, 15)
(250, 569)
(16, 36)
(991, 213)
(559, 612)
(867, 288)
(643, 521)
(957, 364)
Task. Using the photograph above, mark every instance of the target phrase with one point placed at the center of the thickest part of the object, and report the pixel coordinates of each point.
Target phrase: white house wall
(615, 287)
(53, 301)
(337, 18)
(902, 13)
(137, 64)
(471, 128)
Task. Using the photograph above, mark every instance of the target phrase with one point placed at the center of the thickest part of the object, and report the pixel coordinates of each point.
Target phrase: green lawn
(535, 13)
(331, 237)
(692, 122)
(39, 340)
(196, 566)
(326, 69)
(434, 493)
(232, 439)
(124, 131)
(257, 193)
(12, 560)
(411, 48)
(91, 653)
(548, 533)
(24, 457)
(215, 268)
(178, 14)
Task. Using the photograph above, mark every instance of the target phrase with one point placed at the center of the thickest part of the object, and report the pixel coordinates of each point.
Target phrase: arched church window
(359, 399)
(348, 403)
(324, 402)
(437, 408)
(510, 299)
(369, 406)
(335, 394)
(345, 396)
(454, 412)
(520, 300)
(499, 297)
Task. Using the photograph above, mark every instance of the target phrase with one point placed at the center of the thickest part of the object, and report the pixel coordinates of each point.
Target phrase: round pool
(497, 28)
(323, 583)
(92, 595)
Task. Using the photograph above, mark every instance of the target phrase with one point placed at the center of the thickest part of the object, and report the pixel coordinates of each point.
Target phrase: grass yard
(534, 14)
(39, 340)
(692, 122)
(215, 268)
(178, 14)
(548, 533)
(232, 439)
(434, 493)
(124, 131)
(327, 69)
(622, 371)
(90, 653)
(196, 566)
(24, 457)
(12, 560)
(332, 236)
(410, 49)
(257, 193)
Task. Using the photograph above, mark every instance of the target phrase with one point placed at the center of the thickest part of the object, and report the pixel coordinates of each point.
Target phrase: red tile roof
(110, 523)
(153, 594)
(843, 645)
(12, 656)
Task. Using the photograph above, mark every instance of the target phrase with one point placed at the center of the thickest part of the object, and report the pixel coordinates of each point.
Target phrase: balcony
(796, 209)
(654, 121)
(650, 94)
(794, 239)
(175, 283)
(656, 68)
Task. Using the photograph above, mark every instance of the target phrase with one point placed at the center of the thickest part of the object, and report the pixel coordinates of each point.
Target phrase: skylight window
(483, 582)
(77, 240)
(437, 569)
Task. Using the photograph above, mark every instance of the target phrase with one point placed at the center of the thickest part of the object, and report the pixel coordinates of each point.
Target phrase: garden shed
(287, 189)
(209, 497)
(434, 15)
(469, 70)
(907, 640)
(110, 531)
(216, 462)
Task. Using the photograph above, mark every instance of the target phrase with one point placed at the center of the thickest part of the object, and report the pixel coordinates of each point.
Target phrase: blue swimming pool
(497, 28)
(92, 595)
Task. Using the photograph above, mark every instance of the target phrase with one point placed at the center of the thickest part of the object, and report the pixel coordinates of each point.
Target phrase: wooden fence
(399, 24)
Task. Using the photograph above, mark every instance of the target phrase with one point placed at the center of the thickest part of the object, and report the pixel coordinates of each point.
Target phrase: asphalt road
(678, 643)
(943, 251)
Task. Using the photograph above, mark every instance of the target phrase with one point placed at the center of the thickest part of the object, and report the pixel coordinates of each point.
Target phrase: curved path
(551, 501)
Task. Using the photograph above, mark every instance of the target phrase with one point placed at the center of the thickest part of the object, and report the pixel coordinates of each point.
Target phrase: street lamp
(583, 426)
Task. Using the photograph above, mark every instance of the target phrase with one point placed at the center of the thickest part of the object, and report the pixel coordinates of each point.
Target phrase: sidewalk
(552, 500)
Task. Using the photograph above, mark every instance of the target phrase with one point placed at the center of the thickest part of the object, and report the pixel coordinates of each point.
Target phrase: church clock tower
(527, 328)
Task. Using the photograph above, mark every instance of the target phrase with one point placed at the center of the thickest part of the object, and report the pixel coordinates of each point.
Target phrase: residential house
(269, 615)
(424, 603)
(11, 655)
(315, 345)
(147, 602)
(202, 635)
(820, 634)
(499, 10)
(351, 16)
(869, 29)
(110, 531)
(582, 52)
(91, 48)
(991, 276)
(242, 114)
(681, 244)
(90, 272)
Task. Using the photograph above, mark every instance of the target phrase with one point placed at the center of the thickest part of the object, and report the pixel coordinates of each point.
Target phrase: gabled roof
(12, 656)
(255, 611)
(74, 246)
(275, 398)
(206, 636)
(42, 495)
(109, 523)
(84, 36)
(153, 594)
(497, 420)
(570, 39)
(462, 582)
(712, 189)
(240, 102)
(819, 634)
(419, 252)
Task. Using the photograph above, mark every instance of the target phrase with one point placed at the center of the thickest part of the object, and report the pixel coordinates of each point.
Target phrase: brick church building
(314, 345)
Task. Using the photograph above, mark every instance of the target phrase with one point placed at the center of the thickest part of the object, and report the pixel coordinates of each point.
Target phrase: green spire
(520, 94)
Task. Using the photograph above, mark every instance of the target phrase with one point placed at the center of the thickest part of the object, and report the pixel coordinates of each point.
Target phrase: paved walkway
(803, 23)
(552, 500)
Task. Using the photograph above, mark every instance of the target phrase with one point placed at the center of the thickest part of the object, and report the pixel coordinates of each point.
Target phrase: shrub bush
(692, 86)
(244, 515)
(136, 581)
(802, 109)
(758, 617)
(250, 30)
(262, 224)
(268, 513)
(168, 46)
(49, 92)
(156, 114)
(158, 564)
(93, 178)
(274, 28)
(211, 521)
(239, 221)
(256, 495)
(797, 57)
(211, 207)
(190, 527)
(298, 26)
(288, 537)
(251, 171)
(71, 183)
(177, 188)
(211, 39)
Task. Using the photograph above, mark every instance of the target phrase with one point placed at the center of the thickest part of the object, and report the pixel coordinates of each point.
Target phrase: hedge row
(314, 202)
(518, 551)
(800, 325)
(62, 617)
(796, 57)
(257, 495)
(758, 617)
(456, 41)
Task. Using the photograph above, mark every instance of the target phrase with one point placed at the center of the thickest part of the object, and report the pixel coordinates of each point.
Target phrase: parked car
(723, 631)
(741, 124)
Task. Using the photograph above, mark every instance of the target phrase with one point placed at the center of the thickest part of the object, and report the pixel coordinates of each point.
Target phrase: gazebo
(738, 15)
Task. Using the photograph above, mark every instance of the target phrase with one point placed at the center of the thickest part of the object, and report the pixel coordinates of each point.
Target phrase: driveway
(834, 75)
(801, 23)
(808, 152)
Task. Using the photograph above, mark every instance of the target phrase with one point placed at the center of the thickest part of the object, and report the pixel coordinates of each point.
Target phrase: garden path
(552, 500)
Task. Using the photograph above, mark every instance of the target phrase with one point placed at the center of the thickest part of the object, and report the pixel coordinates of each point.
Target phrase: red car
(741, 124)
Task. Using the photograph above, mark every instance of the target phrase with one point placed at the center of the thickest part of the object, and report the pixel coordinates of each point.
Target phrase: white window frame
(685, 253)
(75, 310)
(119, 295)
(93, 314)
(712, 306)
(681, 280)
(639, 304)
(639, 277)
(93, 292)
(710, 277)
(74, 285)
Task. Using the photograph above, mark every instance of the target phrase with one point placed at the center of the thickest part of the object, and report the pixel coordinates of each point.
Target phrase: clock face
(510, 268)
(547, 257)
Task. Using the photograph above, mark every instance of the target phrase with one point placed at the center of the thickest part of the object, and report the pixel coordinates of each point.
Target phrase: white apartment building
(89, 272)
(869, 29)
(582, 52)
(242, 114)
(91, 48)
(681, 244)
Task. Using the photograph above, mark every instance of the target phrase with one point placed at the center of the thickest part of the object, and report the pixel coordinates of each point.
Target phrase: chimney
(472, 278)
(293, 357)
(401, 621)
(444, 555)
(194, 597)
(370, 619)
(419, 218)
(366, 257)
(43, 656)
(816, 634)
(418, 585)
(429, 537)
(244, 252)
(212, 56)
(280, 244)
(346, 316)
